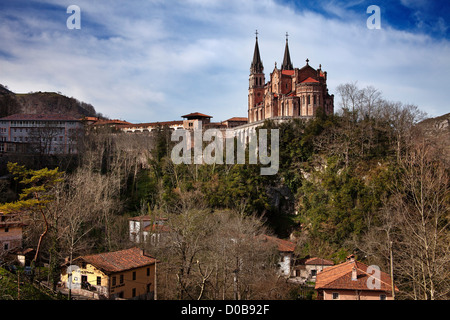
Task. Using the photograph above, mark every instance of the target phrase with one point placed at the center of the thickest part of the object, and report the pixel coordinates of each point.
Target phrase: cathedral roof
(256, 66)
(288, 72)
(309, 80)
(287, 64)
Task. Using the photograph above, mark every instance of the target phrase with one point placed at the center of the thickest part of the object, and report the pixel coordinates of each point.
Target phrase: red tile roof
(119, 261)
(108, 122)
(288, 72)
(237, 119)
(48, 117)
(152, 124)
(283, 245)
(318, 261)
(308, 80)
(340, 277)
(196, 115)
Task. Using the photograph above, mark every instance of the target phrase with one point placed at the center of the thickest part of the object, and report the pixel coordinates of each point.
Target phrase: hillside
(42, 102)
(10, 290)
(437, 130)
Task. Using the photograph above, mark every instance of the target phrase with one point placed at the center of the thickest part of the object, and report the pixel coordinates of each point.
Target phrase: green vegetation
(365, 181)
(18, 287)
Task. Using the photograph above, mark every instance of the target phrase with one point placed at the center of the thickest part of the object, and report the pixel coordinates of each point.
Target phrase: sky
(156, 60)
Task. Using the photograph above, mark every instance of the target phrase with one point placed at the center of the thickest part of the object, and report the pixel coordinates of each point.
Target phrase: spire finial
(287, 35)
(307, 60)
(256, 66)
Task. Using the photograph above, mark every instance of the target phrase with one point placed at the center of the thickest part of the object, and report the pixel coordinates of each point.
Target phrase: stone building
(290, 92)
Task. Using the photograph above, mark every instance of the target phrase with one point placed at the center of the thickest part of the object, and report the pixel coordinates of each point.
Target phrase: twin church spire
(257, 65)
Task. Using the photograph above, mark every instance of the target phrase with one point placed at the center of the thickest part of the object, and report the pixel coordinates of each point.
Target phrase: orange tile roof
(119, 261)
(283, 245)
(340, 277)
(288, 72)
(308, 80)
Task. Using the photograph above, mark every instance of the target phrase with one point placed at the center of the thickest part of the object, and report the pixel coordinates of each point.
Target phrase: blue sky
(156, 60)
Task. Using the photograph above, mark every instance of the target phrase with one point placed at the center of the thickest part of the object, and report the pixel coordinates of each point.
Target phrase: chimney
(354, 274)
(350, 258)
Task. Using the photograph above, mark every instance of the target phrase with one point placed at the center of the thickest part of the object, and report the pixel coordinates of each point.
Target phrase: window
(121, 278)
(6, 229)
(99, 281)
(6, 246)
(148, 271)
(113, 281)
(134, 292)
(313, 273)
(134, 275)
(335, 296)
(382, 297)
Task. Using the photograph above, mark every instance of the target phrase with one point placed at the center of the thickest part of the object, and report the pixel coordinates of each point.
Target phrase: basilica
(290, 92)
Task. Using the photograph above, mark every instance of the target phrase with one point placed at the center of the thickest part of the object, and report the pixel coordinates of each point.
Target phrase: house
(307, 269)
(144, 229)
(11, 230)
(286, 249)
(353, 280)
(124, 274)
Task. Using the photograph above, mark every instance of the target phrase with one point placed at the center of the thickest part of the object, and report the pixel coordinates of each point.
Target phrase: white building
(38, 133)
(286, 250)
(144, 229)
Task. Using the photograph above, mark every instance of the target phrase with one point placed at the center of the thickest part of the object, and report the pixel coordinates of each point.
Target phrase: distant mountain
(42, 103)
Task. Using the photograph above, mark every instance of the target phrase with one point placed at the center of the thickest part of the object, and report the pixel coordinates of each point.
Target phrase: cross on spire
(287, 64)
(256, 32)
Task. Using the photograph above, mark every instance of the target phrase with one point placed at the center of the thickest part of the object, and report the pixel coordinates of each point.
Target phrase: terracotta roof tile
(196, 114)
(118, 261)
(237, 119)
(318, 261)
(340, 277)
(152, 124)
(288, 72)
(283, 245)
(309, 80)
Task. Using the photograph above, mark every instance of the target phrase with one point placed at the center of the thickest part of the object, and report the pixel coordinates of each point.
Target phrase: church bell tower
(256, 86)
